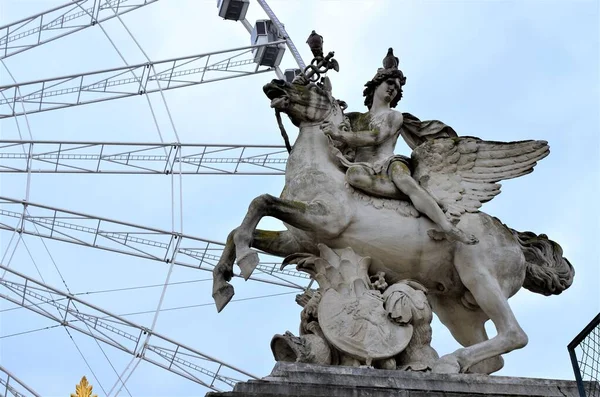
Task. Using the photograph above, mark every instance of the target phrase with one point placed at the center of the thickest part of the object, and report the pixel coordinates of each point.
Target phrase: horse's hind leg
(467, 326)
(276, 243)
(479, 273)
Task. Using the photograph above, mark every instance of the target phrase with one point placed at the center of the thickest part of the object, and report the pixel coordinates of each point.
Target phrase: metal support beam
(80, 89)
(283, 32)
(128, 238)
(11, 384)
(61, 21)
(119, 332)
(140, 158)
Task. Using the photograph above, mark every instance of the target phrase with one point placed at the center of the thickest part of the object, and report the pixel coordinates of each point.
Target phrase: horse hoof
(222, 296)
(487, 366)
(248, 263)
(446, 365)
(472, 240)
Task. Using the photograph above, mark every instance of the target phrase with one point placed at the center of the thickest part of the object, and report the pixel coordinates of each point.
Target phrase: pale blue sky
(499, 70)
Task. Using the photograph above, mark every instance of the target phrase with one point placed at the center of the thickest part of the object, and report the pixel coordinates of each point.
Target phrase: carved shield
(360, 327)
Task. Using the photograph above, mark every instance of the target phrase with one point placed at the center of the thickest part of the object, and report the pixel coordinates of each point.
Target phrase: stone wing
(462, 173)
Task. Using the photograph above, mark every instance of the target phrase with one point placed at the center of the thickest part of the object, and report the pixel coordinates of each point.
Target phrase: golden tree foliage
(83, 389)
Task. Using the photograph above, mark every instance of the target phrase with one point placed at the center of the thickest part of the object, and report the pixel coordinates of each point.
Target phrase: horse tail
(547, 272)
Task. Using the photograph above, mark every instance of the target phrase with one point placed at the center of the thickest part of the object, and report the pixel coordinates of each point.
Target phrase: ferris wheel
(93, 227)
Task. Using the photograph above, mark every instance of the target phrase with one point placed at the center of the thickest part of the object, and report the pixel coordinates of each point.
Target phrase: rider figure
(373, 136)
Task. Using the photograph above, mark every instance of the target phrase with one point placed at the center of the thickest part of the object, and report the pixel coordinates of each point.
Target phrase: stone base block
(305, 380)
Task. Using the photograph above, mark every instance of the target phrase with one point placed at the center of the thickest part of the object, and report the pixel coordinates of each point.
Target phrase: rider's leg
(424, 203)
(363, 178)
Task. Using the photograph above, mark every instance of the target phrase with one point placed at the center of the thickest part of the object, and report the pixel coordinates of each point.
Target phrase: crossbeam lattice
(118, 332)
(61, 21)
(80, 89)
(140, 158)
(11, 384)
(129, 239)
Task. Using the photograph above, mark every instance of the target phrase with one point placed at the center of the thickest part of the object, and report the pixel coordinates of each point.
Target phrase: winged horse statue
(468, 282)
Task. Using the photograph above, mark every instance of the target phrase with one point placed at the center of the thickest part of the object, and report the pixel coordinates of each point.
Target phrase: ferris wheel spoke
(14, 385)
(61, 21)
(127, 238)
(283, 33)
(111, 84)
(120, 333)
(140, 158)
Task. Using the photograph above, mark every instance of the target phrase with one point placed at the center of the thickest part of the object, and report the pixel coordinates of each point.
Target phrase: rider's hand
(332, 131)
(327, 128)
(300, 80)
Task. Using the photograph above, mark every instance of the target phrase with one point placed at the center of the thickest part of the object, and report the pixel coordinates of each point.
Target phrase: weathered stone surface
(355, 320)
(306, 380)
(341, 176)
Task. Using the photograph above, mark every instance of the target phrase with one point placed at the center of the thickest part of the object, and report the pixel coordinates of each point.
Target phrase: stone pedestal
(305, 380)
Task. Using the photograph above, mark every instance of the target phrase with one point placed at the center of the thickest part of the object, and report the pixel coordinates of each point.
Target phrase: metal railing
(584, 351)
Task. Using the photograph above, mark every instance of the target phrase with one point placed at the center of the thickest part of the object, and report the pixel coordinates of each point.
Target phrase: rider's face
(387, 90)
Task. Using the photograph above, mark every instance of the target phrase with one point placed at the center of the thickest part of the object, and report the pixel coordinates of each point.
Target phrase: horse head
(303, 103)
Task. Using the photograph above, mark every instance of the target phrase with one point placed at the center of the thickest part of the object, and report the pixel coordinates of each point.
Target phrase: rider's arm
(357, 131)
(344, 133)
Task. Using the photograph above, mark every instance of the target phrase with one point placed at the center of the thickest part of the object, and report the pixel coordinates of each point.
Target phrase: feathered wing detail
(462, 173)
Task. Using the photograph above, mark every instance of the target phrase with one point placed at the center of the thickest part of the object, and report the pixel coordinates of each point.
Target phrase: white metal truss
(119, 332)
(127, 238)
(282, 31)
(61, 21)
(11, 384)
(126, 81)
(124, 158)
(140, 158)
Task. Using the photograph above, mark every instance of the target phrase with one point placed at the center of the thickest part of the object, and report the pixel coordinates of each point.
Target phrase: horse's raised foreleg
(477, 272)
(315, 216)
(222, 274)
(280, 243)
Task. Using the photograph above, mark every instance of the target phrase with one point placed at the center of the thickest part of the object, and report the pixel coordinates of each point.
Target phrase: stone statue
(354, 319)
(466, 284)
(373, 136)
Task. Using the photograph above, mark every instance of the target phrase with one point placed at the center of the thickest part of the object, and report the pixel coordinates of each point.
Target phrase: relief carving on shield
(354, 319)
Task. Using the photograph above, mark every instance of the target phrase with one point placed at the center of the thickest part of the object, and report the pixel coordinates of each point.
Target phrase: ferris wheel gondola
(234, 10)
